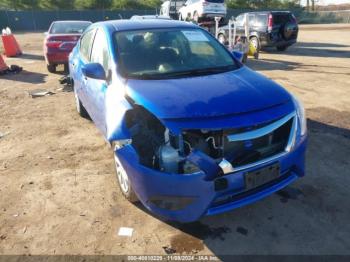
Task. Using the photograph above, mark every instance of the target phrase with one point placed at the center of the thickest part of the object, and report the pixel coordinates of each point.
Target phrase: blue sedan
(194, 132)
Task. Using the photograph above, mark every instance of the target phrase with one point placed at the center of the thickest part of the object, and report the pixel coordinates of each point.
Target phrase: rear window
(215, 1)
(69, 27)
(279, 19)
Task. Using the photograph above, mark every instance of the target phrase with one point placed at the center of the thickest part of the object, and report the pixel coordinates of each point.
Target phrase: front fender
(116, 107)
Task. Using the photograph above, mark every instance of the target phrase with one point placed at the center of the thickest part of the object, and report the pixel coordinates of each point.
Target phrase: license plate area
(261, 176)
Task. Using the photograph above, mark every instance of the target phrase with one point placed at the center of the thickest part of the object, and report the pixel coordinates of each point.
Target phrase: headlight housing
(301, 116)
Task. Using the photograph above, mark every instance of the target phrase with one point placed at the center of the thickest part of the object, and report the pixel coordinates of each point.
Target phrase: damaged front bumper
(187, 197)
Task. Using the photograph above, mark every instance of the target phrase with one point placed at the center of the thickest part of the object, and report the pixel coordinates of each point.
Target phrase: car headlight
(301, 116)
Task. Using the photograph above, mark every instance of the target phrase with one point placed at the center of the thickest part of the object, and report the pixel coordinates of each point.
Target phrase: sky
(328, 2)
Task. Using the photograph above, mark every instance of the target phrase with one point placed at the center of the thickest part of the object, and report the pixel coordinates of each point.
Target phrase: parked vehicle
(60, 40)
(194, 131)
(267, 29)
(199, 10)
(171, 8)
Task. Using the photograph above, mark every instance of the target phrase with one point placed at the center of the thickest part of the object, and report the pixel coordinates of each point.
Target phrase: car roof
(139, 24)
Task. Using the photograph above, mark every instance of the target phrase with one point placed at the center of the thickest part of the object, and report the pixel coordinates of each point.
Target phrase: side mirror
(238, 55)
(94, 71)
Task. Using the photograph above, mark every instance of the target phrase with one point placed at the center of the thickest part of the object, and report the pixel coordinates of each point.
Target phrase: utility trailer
(237, 41)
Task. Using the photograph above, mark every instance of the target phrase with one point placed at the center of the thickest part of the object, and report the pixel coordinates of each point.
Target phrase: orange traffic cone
(3, 66)
(11, 46)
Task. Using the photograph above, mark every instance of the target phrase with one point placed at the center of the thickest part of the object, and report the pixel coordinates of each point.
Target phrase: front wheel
(124, 182)
(80, 108)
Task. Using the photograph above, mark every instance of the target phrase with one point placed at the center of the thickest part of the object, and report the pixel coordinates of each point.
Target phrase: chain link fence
(39, 20)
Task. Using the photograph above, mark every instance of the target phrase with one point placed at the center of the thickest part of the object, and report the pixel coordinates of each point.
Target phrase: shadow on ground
(27, 77)
(314, 50)
(32, 57)
(275, 64)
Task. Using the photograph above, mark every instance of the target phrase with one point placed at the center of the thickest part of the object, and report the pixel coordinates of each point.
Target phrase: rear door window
(86, 44)
(251, 21)
(261, 19)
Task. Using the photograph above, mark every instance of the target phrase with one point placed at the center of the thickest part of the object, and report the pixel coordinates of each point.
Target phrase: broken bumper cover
(187, 197)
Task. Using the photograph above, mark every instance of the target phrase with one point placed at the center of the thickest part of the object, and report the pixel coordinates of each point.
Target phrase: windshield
(171, 53)
(69, 27)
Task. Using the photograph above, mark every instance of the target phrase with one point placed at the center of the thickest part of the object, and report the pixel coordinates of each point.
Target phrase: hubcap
(255, 43)
(122, 176)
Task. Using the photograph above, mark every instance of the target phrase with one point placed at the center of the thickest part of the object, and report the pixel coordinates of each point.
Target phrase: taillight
(57, 41)
(270, 22)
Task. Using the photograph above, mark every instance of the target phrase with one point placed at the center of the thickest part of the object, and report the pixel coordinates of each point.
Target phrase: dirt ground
(59, 195)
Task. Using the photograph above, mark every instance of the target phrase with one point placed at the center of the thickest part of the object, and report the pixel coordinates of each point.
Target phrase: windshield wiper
(201, 71)
(193, 72)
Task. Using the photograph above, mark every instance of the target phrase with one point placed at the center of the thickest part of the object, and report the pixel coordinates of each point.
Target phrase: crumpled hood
(234, 92)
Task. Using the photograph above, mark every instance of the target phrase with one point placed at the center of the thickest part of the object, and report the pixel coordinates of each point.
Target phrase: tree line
(131, 4)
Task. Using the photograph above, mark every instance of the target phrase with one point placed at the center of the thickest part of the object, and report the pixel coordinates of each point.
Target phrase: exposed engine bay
(159, 149)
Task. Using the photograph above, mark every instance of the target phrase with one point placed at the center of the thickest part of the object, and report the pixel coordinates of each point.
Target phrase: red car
(60, 40)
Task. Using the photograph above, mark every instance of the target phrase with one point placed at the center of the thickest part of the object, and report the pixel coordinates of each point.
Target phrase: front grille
(247, 151)
(244, 147)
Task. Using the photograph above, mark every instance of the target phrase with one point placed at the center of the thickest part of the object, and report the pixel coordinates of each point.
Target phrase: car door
(96, 88)
(81, 58)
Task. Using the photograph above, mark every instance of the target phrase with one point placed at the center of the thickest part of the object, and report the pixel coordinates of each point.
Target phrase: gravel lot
(59, 195)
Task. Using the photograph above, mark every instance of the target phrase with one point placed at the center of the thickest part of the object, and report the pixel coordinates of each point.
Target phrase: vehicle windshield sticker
(195, 36)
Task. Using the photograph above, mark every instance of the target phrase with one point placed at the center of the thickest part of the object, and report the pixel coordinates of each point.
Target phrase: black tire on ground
(282, 48)
(255, 41)
(51, 68)
(66, 68)
(80, 108)
(128, 192)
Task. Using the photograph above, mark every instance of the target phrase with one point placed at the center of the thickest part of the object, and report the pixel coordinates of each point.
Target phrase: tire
(222, 39)
(66, 68)
(255, 41)
(282, 48)
(124, 182)
(79, 106)
(51, 68)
